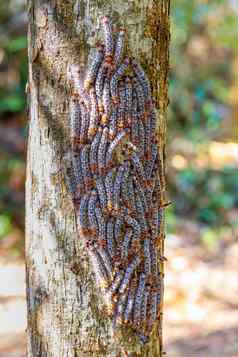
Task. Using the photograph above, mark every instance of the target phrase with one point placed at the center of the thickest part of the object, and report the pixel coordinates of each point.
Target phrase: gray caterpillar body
(115, 180)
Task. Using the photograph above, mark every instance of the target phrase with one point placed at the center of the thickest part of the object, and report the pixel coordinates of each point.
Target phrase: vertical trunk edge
(65, 310)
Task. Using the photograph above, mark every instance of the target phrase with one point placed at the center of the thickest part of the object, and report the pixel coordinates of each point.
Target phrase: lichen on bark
(66, 316)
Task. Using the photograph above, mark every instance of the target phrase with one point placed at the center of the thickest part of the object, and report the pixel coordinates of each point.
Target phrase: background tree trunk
(65, 315)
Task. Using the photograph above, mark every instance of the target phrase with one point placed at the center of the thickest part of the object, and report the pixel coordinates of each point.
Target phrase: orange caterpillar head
(104, 119)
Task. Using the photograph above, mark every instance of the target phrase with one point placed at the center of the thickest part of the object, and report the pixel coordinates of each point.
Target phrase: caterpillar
(131, 194)
(101, 223)
(94, 151)
(128, 273)
(147, 257)
(118, 185)
(75, 117)
(106, 103)
(118, 228)
(94, 115)
(119, 46)
(113, 123)
(130, 303)
(84, 125)
(135, 226)
(139, 96)
(109, 181)
(102, 194)
(78, 174)
(109, 43)
(111, 247)
(86, 172)
(102, 151)
(141, 132)
(138, 299)
(126, 243)
(140, 74)
(134, 120)
(115, 79)
(83, 216)
(116, 282)
(92, 218)
(113, 145)
(99, 83)
(144, 304)
(115, 180)
(92, 72)
(128, 95)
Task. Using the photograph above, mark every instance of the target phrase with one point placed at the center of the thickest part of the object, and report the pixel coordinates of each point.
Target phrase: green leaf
(5, 225)
(210, 238)
(16, 44)
(207, 215)
(12, 103)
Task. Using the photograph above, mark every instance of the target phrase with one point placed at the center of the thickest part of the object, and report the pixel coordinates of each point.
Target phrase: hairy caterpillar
(116, 180)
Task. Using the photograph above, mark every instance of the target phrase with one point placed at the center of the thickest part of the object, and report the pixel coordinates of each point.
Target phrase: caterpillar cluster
(115, 180)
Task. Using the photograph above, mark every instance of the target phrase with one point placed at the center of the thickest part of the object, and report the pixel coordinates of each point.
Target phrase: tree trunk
(65, 311)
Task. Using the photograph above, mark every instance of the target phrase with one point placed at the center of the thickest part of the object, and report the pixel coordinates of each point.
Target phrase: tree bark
(65, 311)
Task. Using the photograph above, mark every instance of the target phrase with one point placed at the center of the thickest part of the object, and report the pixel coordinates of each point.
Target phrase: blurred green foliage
(13, 76)
(204, 43)
(203, 46)
(5, 225)
(205, 195)
(12, 97)
(200, 62)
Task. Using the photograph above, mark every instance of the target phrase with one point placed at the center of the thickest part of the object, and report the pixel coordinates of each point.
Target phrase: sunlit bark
(65, 315)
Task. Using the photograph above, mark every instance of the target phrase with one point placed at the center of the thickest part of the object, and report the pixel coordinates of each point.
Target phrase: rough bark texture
(65, 311)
